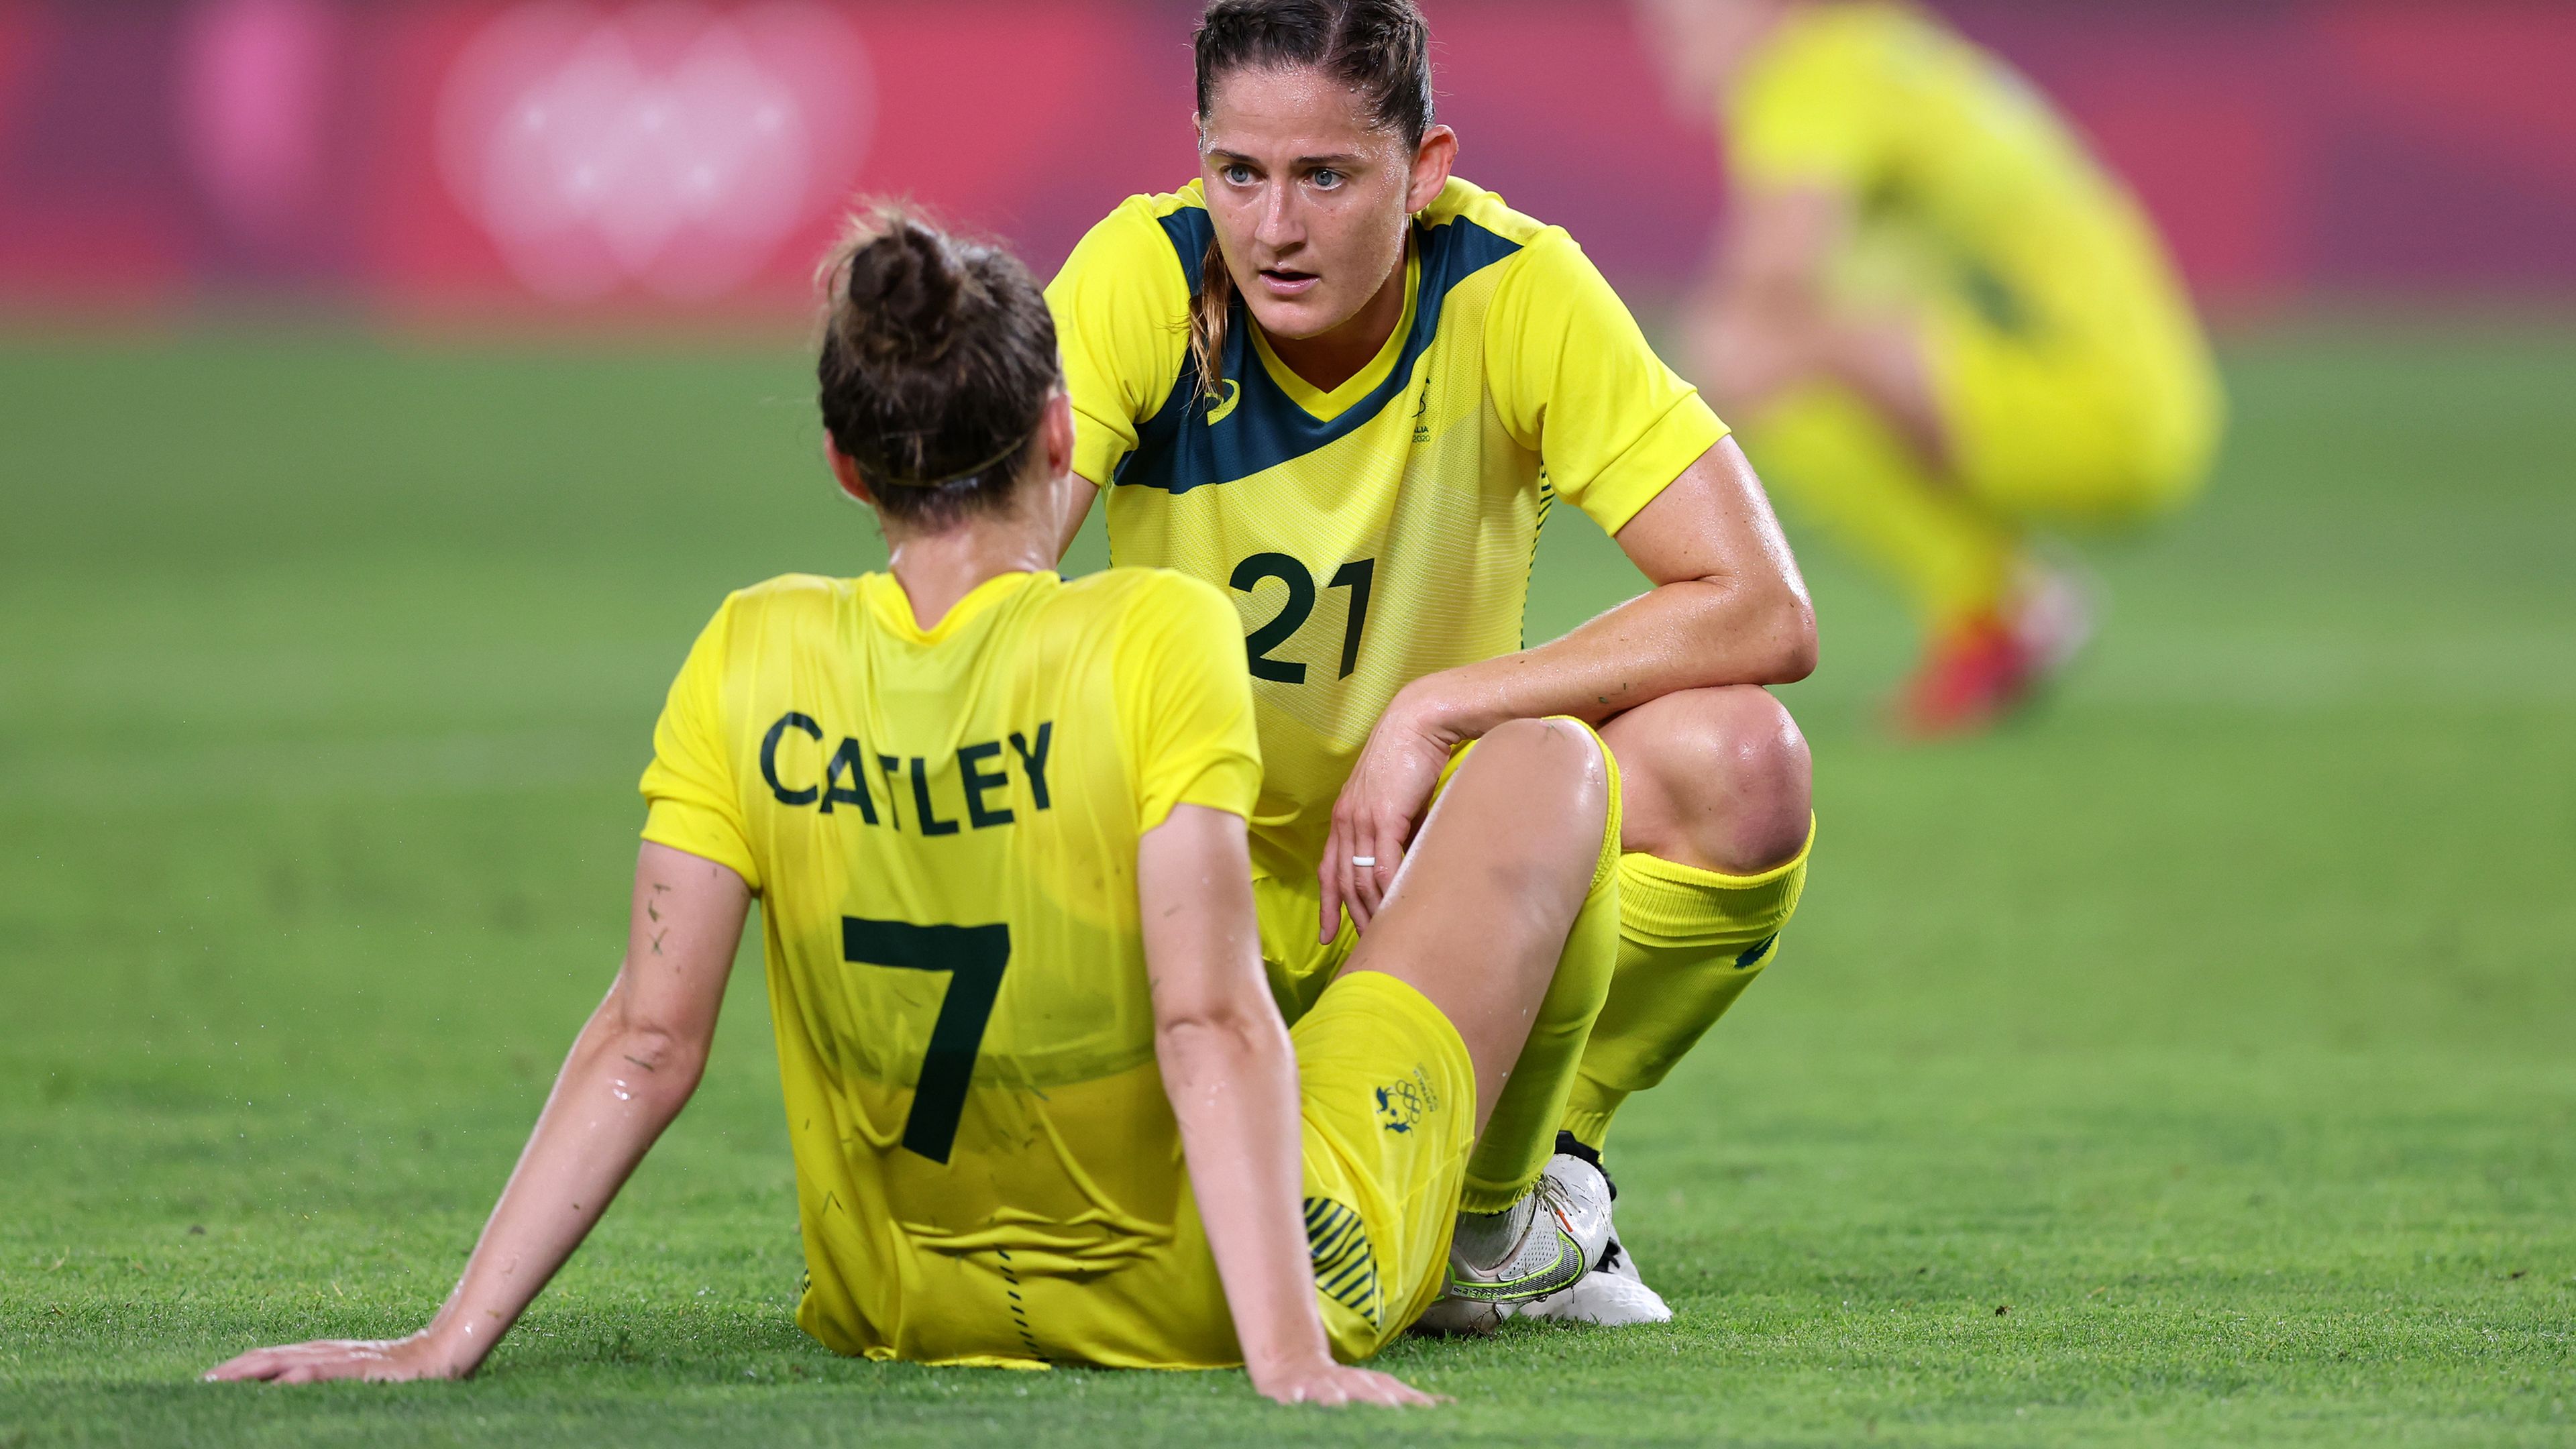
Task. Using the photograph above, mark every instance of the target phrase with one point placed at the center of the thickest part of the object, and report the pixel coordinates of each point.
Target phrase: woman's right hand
(1323, 1381)
(389, 1360)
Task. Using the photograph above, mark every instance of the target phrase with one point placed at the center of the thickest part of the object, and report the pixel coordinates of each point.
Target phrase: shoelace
(1547, 1207)
(1551, 1201)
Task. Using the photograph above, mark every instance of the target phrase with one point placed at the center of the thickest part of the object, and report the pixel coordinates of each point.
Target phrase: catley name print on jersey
(982, 775)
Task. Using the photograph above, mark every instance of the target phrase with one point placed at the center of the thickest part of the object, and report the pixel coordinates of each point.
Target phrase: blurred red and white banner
(676, 155)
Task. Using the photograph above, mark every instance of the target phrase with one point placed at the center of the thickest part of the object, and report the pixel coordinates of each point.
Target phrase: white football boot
(1612, 1294)
(1537, 1247)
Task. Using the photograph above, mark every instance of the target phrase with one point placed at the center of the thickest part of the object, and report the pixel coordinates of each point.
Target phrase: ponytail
(1209, 312)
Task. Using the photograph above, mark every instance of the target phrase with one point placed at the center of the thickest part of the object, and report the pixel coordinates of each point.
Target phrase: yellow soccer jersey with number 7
(942, 826)
(1384, 530)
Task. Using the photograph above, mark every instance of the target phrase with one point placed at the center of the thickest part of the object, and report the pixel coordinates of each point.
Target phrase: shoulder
(1122, 313)
(1824, 44)
(1541, 269)
(1158, 238)
(729, 652)
(789, 601)
(1472, 228)
(1148, 600)
(789, 594)
(1474, 210)
(1155, 622)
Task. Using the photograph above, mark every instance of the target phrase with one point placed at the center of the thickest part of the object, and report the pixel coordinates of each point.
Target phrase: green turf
(2192, 1063)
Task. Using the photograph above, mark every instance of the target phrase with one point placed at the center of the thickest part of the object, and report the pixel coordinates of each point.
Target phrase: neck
(938, 569)
(1329, 359)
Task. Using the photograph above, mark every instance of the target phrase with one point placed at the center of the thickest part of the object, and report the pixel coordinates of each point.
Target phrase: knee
(1719, 779)
(1553, 778)
(1555, 765)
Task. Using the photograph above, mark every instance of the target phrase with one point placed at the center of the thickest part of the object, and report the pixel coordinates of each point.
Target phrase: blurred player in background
(1042, 1105)
(1337, 381)
(1938, 321)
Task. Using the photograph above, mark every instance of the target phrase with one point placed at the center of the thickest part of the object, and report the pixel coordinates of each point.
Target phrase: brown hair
(938, 357)
(1381, 49)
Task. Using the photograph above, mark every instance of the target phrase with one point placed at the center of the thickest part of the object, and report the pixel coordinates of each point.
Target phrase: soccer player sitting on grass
(1938, 321)
(1346, 386)
(1043, 1108)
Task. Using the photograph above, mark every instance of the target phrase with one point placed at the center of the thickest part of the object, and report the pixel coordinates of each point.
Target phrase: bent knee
(1550, 778)
(1556, 765)
(1718, 779)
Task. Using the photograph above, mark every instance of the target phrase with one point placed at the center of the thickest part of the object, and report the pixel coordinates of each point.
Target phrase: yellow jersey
(942, 827)
(1967, 182)
(1383, 530)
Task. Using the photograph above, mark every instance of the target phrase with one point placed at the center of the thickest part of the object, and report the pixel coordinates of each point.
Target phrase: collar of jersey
(884, 596)
(1323, 406)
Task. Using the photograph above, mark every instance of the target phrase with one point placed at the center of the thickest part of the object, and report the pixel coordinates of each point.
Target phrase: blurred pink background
(469, 156)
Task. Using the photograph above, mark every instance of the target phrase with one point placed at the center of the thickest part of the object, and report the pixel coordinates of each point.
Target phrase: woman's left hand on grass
(391, 1360)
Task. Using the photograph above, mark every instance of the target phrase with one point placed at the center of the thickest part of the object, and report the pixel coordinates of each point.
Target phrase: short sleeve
(1185, 701)
(1809, 109)
(690, 785)
(1574, 379)
(1122, 307)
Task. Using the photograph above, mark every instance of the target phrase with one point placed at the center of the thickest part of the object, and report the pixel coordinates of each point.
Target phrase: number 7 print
(974, 957)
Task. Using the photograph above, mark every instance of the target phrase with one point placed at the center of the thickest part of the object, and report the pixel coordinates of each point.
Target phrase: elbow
(1793, 628)
(1210, 1061)
(1767, 634)
(656, 1064)
(1223, 1035)
(1222, 1030)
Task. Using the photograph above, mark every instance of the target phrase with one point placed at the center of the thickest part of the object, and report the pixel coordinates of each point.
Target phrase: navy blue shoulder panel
(1177, 449)
(1190, 232)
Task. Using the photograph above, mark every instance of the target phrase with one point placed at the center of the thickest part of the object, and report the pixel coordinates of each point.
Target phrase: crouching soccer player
(1345, 386)
(1042, 1105)
(1938, 322)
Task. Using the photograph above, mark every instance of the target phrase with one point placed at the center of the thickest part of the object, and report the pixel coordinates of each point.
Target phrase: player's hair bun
(904, 288)
(938, 356)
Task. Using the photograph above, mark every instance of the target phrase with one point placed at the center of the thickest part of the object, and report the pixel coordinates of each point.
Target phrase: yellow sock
(1827, 452)
(1690, 942)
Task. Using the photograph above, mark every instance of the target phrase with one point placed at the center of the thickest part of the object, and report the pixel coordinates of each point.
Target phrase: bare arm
(1232, 1079)
(1727, 607)
(1777, 240)
(1766, 322)
(632, 1069)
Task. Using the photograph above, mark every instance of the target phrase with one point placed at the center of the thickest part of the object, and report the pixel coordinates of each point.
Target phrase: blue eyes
(1324, 178)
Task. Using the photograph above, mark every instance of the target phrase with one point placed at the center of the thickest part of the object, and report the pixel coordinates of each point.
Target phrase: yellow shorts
(1300, 966)
(1388, 1099)
(2099, 420)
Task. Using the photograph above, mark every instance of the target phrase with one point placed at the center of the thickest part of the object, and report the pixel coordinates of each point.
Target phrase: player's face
(1309, 200)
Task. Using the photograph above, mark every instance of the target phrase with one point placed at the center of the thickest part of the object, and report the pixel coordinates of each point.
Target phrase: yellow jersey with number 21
(1384, 530)
(942, 827)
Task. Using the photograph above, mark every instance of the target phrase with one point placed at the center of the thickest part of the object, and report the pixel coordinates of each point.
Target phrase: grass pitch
(2191, 1063)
